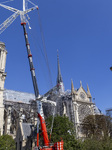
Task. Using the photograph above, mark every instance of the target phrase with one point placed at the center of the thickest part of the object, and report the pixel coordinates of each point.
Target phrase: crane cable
(39, 47)
(44, 48)
(52, 122)
(46, 59)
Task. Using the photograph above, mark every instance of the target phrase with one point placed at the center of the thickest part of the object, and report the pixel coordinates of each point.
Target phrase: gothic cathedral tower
(3, 54)
(59, 81)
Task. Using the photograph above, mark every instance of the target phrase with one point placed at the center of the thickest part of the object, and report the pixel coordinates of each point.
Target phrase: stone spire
(88, 92)
(59, 77)
(72, 87)
(80, 83)
(73, 91)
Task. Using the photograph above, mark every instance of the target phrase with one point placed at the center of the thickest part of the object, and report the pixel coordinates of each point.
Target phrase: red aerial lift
(47, 145)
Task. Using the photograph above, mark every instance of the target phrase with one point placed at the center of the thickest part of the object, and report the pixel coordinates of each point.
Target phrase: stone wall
(3, 53)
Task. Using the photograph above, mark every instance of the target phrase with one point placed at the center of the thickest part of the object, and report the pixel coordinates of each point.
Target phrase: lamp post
(111, 68)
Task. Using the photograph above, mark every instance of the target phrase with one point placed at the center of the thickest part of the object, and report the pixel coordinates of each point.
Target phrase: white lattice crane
(16, 13)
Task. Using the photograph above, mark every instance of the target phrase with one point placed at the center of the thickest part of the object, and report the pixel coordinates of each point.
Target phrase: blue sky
(82, 32)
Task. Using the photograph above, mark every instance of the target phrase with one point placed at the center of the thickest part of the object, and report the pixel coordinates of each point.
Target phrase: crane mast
(32, 69)
(30, 61)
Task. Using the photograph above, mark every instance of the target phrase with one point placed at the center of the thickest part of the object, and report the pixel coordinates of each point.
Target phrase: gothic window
(12, 129)
(31, 143)
(20, 144)
(16, 145)
(82, 96)
(83, 111)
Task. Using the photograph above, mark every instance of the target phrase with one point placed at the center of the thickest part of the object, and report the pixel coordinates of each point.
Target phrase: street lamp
(111, 68)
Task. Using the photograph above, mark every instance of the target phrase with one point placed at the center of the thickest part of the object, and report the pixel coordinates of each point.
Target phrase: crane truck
(3, 26)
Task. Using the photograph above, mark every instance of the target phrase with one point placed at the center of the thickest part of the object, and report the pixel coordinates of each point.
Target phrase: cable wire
(52, 122)
(36, 48)
(44, 48)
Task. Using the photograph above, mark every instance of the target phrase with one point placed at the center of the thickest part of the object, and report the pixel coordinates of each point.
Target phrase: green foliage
(93, 144)
(63, 128)
(96, 128)
(7, 143)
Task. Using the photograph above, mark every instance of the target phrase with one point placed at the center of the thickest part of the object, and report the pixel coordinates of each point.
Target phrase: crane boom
(30, 9)
(9, 8)
(8, 21)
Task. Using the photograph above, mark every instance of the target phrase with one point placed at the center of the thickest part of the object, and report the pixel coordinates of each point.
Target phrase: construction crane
(3, 26)
(16, 13)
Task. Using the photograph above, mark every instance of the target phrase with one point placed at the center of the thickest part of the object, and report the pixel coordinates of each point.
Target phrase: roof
(2, 43)
(97, 111)
(16, 96)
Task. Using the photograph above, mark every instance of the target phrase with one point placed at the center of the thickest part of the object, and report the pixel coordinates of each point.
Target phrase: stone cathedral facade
(18, 110)
(3, 54)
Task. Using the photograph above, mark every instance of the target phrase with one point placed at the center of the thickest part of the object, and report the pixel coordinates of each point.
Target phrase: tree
(95, 126)
(97, 129)
(97, 144)
(63, 128)
(7, 143)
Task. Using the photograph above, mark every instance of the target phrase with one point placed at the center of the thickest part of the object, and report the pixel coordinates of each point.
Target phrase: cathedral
(18, 110)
